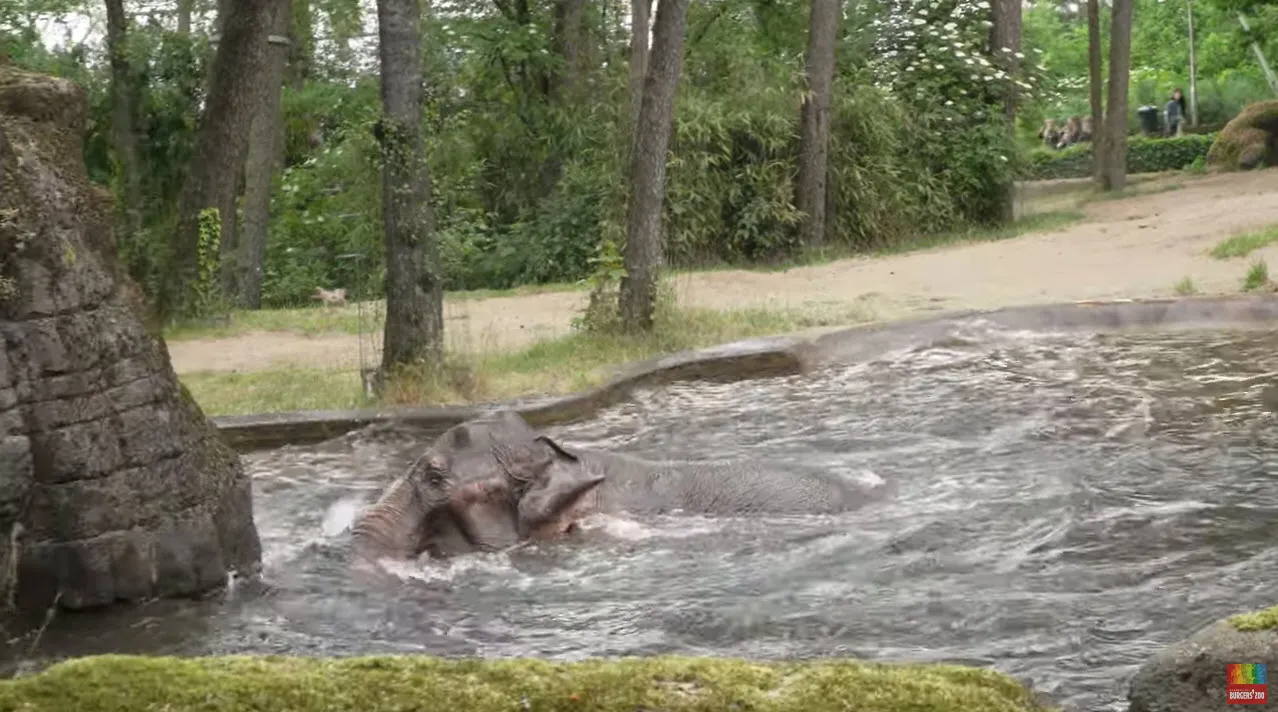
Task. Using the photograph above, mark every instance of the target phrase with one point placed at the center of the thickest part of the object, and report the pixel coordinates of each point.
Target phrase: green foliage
(1144, 155)
(935, 57)
(1228, 75)
(209, 300)
(528, 176)
(1257, 276)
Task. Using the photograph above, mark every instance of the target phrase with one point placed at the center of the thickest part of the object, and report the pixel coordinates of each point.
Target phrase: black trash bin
(1148, 119)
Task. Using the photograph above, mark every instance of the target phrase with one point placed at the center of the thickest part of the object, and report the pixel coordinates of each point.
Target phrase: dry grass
(549, 367)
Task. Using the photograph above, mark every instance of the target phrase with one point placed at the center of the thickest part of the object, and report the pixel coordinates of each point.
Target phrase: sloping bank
(404, 684)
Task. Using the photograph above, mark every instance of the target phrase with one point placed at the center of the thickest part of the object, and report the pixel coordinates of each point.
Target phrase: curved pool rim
(761, 358)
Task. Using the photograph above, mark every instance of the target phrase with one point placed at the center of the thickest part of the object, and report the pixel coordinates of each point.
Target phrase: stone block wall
(114, 486)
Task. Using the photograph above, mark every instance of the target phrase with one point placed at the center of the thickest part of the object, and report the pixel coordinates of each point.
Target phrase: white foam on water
(341, 515)
(617, 527)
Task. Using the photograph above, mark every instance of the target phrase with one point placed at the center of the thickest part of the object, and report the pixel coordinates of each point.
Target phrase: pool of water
(1056, 506)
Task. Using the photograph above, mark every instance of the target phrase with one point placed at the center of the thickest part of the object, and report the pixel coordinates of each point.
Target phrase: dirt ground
(1137, 246)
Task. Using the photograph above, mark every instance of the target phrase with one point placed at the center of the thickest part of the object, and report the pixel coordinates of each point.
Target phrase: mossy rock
(403, 683)
(1257, 620)
(1249, 141)
(1190, 675)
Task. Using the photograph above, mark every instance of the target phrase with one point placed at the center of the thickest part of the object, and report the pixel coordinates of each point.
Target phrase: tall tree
(265, 155)
(1005, 45)
(414, 285)
(643, 253)
(823, 32)
(1114, 172)
(640, 11)
(124, 107)
(221, 141)
(1094, 85)
(561, 86)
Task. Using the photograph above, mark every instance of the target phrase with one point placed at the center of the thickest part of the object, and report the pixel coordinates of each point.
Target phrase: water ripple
(1059, 507)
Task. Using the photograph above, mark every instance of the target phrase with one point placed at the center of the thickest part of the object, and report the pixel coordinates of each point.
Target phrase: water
(1057, 507)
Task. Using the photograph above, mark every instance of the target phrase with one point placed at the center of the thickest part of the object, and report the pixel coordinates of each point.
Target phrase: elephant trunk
(393, 527)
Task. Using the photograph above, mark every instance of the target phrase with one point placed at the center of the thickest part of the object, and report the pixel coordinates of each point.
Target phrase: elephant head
(492, 482)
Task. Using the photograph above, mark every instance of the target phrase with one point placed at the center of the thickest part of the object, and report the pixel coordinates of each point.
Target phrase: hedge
(118, 683)
(1144, 155)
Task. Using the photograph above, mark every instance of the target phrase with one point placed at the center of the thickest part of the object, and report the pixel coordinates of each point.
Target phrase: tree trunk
(643, 253)
(1193, 64)
(302, 50)
(1120, 61)
(265, 154)
(1095, 80)
(565, 42)
(639, 13)
(561, 86)
(184, 10)
(1005, 44)
(414, 289)
(823, 34)
(220, 144)
(124, 103)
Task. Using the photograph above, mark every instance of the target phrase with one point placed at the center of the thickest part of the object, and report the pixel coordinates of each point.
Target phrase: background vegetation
(526, 191)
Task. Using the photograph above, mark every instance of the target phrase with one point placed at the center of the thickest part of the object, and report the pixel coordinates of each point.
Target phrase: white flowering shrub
(934, 56)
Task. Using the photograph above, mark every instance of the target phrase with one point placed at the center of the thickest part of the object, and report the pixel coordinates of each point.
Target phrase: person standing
(1175, 113)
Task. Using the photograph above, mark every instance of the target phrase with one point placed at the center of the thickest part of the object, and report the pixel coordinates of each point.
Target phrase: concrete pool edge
(760, 358)
(370, 684)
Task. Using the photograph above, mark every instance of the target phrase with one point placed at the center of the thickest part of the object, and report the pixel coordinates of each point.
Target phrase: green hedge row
(1144, 155)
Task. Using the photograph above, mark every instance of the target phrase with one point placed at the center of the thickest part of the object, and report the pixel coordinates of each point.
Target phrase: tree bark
(220, 144)
(265, 154)
(184, 11)
(1114, 176)
(1094, 82)
(639, 13)
(1005, 44)
(643, 253)
(124, 103)
(561, 86)
(565, 42)
(814, 115)
(302, 51)
(414, 288)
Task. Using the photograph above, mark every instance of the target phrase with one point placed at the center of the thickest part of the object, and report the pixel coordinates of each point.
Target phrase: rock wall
(114, 486)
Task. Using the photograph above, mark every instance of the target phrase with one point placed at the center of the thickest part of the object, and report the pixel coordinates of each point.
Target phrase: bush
(1144, 155)
(268, 684)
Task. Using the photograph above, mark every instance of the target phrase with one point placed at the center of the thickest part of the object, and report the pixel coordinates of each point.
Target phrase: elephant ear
(558, 484)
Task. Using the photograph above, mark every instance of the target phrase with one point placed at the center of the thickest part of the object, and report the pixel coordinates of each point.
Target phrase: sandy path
(1138, 246)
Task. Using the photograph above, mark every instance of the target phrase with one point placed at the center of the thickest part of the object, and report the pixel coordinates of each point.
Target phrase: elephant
(493, 482)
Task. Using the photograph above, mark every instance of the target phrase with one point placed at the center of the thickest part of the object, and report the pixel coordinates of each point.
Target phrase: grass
(1243, 244)
(368, 316)
(551, 367)
(1256, 620)
(352, 318)
(402, 683)
(1257, 276)
(1185, 288)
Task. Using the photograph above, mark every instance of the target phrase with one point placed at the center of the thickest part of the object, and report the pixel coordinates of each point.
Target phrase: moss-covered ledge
(1266, 619)
(1190, 675)
(409, 683)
